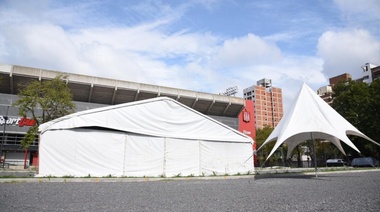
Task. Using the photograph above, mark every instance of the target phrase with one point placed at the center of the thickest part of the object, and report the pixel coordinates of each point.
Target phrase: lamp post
(3, 138)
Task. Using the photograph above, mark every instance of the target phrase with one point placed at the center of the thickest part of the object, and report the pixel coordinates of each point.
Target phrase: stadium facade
(93, 92)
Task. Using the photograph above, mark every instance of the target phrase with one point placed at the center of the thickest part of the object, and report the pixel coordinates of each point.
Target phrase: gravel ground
(350, 191)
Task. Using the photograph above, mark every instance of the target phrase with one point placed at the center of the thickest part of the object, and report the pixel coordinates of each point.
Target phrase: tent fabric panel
(81, 153)
(182, 157)
(225, 158)
(56, 155)
(99, 153)
(144, 156)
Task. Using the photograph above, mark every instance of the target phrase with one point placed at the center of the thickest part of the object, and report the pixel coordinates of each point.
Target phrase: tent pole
(315, 155)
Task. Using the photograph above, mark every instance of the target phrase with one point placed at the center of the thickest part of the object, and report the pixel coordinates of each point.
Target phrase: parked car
(365, 162)
(335, 162)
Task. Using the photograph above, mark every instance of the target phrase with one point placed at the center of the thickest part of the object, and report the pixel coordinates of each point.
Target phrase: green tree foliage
(359, 103)
(373, 127)
(261, 136)
(351, 100)
(45, 101)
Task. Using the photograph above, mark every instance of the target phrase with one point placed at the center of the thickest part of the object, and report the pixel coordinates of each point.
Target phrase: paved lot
(350, 191)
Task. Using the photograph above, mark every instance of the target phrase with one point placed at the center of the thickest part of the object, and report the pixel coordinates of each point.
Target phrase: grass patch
(13, 176)
(49, 176)
(108, 176)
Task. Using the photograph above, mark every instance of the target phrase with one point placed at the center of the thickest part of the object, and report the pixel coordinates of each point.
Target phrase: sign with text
(18, 121)
(247, 124)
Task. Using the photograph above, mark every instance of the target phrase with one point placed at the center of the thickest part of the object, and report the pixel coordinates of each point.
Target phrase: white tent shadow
(309, 118)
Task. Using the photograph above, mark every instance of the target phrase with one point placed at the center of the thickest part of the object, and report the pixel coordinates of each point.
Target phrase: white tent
(154, 137)
(310, 117)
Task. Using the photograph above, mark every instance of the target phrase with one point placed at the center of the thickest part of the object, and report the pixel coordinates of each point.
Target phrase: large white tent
(310, 117)
(154, 137)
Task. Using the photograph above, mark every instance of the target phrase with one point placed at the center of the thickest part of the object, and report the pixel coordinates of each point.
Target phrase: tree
(261, 136)
(352, 100)
(44, 101)
(359, 103)
(373, 130)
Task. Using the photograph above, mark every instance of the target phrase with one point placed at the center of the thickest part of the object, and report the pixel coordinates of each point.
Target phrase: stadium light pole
(230, 91)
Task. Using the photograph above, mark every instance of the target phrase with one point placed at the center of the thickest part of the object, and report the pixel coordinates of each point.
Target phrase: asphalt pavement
(340, 191)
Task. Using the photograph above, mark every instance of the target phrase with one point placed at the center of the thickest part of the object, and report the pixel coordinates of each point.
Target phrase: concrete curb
(261, 173)
(115, 179)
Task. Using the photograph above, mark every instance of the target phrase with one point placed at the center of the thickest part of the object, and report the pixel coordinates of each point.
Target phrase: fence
(15, 162)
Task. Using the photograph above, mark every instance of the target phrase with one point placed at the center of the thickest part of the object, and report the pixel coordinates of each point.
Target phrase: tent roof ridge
(80, 119)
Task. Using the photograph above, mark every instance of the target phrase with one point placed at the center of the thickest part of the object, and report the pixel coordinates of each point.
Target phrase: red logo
(26, 122)
(246, 116)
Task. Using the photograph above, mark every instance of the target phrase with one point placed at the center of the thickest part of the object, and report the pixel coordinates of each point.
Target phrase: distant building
(326, 92)
(370, 73)
(343, 77)
(268, 103)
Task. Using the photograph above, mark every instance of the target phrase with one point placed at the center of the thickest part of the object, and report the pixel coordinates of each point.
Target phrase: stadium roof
(106, 91)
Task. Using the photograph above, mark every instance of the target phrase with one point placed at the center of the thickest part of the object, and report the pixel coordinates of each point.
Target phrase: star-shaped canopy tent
(310, 117)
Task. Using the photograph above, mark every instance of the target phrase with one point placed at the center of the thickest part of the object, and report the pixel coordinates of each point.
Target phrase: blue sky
(203, 45)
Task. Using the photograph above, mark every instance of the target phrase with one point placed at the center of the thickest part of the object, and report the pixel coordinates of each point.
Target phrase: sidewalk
(17, 171)
(281, 169)
(19, 175)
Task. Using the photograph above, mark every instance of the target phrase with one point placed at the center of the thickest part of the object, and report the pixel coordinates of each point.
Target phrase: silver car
(365, 162)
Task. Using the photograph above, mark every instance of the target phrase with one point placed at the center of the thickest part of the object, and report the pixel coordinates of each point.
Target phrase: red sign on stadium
(246, 116)
(21, 122)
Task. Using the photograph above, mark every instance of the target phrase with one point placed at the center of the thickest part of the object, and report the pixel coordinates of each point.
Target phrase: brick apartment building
(268, 103)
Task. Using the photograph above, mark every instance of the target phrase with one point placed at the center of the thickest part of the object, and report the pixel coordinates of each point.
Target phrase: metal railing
(15, 139)
(292, 164)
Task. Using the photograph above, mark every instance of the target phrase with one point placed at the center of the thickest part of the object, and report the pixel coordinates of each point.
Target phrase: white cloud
(360, 14)
(245, 51)
(145, 53)
(153, 47)
(346, 51)
(288, 74)
(368, 7)
(44, 44)
(245, 60)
